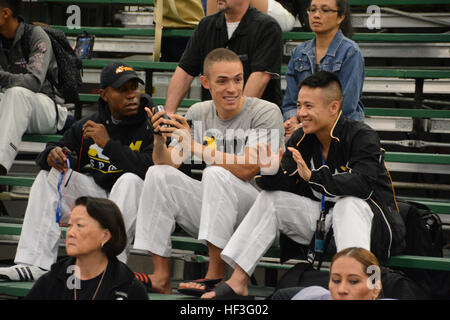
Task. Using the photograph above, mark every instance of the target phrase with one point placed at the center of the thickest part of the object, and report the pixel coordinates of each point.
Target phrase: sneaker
(21, 272)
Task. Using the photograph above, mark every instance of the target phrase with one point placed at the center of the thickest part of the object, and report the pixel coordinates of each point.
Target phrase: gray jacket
(29, 72)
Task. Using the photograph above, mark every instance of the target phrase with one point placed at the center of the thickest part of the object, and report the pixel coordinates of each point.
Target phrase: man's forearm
(239, 165)
(256, 84)
(162, 154)
(178, 87)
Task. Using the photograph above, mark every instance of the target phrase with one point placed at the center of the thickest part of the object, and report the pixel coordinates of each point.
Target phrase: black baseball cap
(116, 74)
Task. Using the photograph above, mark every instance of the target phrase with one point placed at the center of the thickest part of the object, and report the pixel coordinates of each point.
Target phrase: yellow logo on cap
(123, 68)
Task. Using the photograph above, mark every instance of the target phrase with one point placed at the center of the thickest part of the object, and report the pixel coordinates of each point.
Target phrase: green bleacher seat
(378, 37)
(191, 244)
(370, 72)
(20, 289)
(384, 112)
(287, 36)
(16, 181)
(41, 137)
(413, 113)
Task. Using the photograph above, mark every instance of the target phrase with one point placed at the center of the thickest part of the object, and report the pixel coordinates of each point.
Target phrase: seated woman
(354, 275)
(96, 235)
(330, 50)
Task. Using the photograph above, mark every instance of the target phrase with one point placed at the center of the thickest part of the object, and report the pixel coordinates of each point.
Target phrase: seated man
(115, 143)
(222, 132)
(28, 102)
(332, 164)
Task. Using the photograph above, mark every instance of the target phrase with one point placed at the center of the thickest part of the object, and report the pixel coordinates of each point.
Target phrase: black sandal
(225, 292)
(208, 283)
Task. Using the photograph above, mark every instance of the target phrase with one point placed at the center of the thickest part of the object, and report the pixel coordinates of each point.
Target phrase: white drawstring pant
(24, 111)
(295, 216)
(40, 235)
(210, 209)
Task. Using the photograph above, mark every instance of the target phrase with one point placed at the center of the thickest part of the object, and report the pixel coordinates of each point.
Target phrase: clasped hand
(176, 127)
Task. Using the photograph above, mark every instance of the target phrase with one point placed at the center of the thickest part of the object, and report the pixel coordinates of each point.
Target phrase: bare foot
(160, 285)
(198, 285)
(191, 285)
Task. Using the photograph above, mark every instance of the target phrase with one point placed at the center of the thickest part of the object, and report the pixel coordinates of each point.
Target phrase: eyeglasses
(321, 10)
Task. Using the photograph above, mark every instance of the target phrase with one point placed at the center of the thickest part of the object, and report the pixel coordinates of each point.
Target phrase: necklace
(96, 290)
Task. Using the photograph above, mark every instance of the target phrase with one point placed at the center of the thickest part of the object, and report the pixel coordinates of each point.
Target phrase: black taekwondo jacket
(354, 167)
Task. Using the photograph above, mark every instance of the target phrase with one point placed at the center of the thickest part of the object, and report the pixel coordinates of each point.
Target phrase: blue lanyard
(61, 179)
(323, 195)
(319, 236)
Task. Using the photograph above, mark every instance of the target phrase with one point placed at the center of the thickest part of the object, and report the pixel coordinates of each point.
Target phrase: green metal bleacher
(419, 75)
(191, 244)
(440, 206)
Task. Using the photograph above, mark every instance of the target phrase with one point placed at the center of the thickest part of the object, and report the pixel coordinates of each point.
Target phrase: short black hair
(14, 5)
(109, 216)
(324, 79)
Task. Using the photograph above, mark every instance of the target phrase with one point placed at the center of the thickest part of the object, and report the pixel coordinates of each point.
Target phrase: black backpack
(397, 285)
(69, 64)
(424, 237)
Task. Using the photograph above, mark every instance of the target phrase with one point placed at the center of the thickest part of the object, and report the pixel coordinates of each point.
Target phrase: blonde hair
(363, 256)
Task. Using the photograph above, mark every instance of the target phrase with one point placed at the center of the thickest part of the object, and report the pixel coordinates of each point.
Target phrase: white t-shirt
(258, 121)
(231, 26)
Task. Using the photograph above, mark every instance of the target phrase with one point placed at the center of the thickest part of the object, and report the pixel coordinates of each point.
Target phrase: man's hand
(268, 161)
(177, 128)
(57, 159)
(156, 122)
(302, 168)
(290, 125)
(164, 128)
(97, 132)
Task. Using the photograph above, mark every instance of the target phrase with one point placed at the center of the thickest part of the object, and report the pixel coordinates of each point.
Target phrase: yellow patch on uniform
(344, 168)
(92, 152)
(135, 146)
(210, 142)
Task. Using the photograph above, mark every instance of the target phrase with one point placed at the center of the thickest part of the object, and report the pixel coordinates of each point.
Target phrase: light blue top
(312, 293)
(343, 58)
(317, 293)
